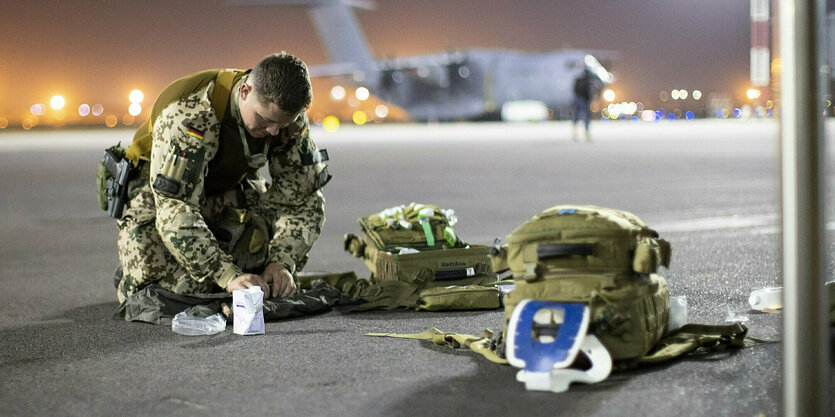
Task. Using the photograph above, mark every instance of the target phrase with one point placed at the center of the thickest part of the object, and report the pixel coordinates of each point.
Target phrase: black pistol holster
(114, 173)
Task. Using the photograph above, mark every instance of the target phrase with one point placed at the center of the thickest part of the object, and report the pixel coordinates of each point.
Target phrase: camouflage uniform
(164, 234)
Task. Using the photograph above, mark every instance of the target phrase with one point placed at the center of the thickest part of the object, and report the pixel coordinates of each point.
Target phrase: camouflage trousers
(145, 259)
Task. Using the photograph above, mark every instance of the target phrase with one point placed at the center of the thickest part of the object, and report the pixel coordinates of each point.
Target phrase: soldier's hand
(280, 280)
(244, 281)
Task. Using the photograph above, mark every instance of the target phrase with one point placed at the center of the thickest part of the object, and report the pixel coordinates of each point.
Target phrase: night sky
(98, 51)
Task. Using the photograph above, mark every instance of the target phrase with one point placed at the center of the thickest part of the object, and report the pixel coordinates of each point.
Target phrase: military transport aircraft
(462, 85)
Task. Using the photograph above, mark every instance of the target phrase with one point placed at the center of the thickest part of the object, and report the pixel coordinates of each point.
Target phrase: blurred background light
(136, 96)
(689, 115)
(128, 119)
(697, 94)
(111, 120)
(381, 111)
(609, 95)
(362, 93)
(338, 92)
(682, 94)
(37, 109)
(647, 115)
(4, 122)
(84, 110)
(675, 94)
(753, 93)
(663, 96)
(98, 109)
(330, 123)
(57, 102)
(359, 118)
(134, 110)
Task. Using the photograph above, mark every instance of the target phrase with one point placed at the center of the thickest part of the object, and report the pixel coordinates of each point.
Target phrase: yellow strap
(480, 345)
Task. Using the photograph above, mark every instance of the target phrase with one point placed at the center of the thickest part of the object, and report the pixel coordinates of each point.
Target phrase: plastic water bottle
(678, 312)
(766, 298)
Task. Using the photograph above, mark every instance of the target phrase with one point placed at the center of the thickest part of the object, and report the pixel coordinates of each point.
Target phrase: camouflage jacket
(186, 138)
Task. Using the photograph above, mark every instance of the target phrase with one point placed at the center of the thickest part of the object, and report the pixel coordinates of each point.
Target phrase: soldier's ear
(246, 89)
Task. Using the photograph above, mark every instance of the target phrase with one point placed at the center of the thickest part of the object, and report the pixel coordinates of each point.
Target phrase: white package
(247, 310)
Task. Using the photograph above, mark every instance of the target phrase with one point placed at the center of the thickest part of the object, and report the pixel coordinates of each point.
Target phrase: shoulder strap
(223, 87)
(693, 336)
(140, 148)
(481, 345)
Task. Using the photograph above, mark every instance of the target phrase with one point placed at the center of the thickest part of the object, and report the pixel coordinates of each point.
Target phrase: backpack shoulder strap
(693, 336)
(223, 87)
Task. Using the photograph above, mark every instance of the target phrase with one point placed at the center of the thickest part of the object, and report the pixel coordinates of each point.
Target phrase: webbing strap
(354, 245)
(480, 345)
(311, 158)
(223, 87)
(142, 143)
(692, 336)
(688, 338)
(557, 250)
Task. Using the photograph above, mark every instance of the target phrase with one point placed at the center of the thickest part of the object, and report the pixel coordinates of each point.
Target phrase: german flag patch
(195, 133)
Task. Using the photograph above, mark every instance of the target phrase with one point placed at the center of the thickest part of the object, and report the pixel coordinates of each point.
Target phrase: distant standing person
(583, 90)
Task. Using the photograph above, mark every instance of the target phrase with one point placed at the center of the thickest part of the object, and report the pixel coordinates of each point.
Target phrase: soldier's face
(262, 119)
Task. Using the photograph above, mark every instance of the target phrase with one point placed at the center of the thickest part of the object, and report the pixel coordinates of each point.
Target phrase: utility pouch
(244, 235)
(112, 178)
(459, 266)
(455, 297)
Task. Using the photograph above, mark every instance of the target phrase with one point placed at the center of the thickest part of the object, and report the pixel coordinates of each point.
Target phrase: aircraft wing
(332, 70)
(362, 4)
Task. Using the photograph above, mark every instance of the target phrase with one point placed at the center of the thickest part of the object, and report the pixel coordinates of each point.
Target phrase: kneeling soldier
(200, 219)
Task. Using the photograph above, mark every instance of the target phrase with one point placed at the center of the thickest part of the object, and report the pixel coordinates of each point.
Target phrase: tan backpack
(602, 257)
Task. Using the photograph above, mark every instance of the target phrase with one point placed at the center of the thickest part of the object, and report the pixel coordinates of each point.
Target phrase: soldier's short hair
(283, 79)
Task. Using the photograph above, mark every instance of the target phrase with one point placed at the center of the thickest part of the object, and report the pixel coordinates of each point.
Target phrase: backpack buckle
(533, 272)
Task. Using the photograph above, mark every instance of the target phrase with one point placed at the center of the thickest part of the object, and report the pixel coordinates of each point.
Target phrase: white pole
(805, 318)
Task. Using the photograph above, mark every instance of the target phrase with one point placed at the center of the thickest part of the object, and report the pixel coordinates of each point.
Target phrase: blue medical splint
(544, 338)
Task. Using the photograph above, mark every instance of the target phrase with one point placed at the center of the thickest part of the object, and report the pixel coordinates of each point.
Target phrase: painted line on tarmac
(759, 223)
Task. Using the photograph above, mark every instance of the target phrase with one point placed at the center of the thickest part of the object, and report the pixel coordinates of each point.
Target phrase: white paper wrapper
(247, 310)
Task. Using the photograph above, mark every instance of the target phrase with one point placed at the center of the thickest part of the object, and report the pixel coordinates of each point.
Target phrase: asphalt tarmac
(709, 187)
